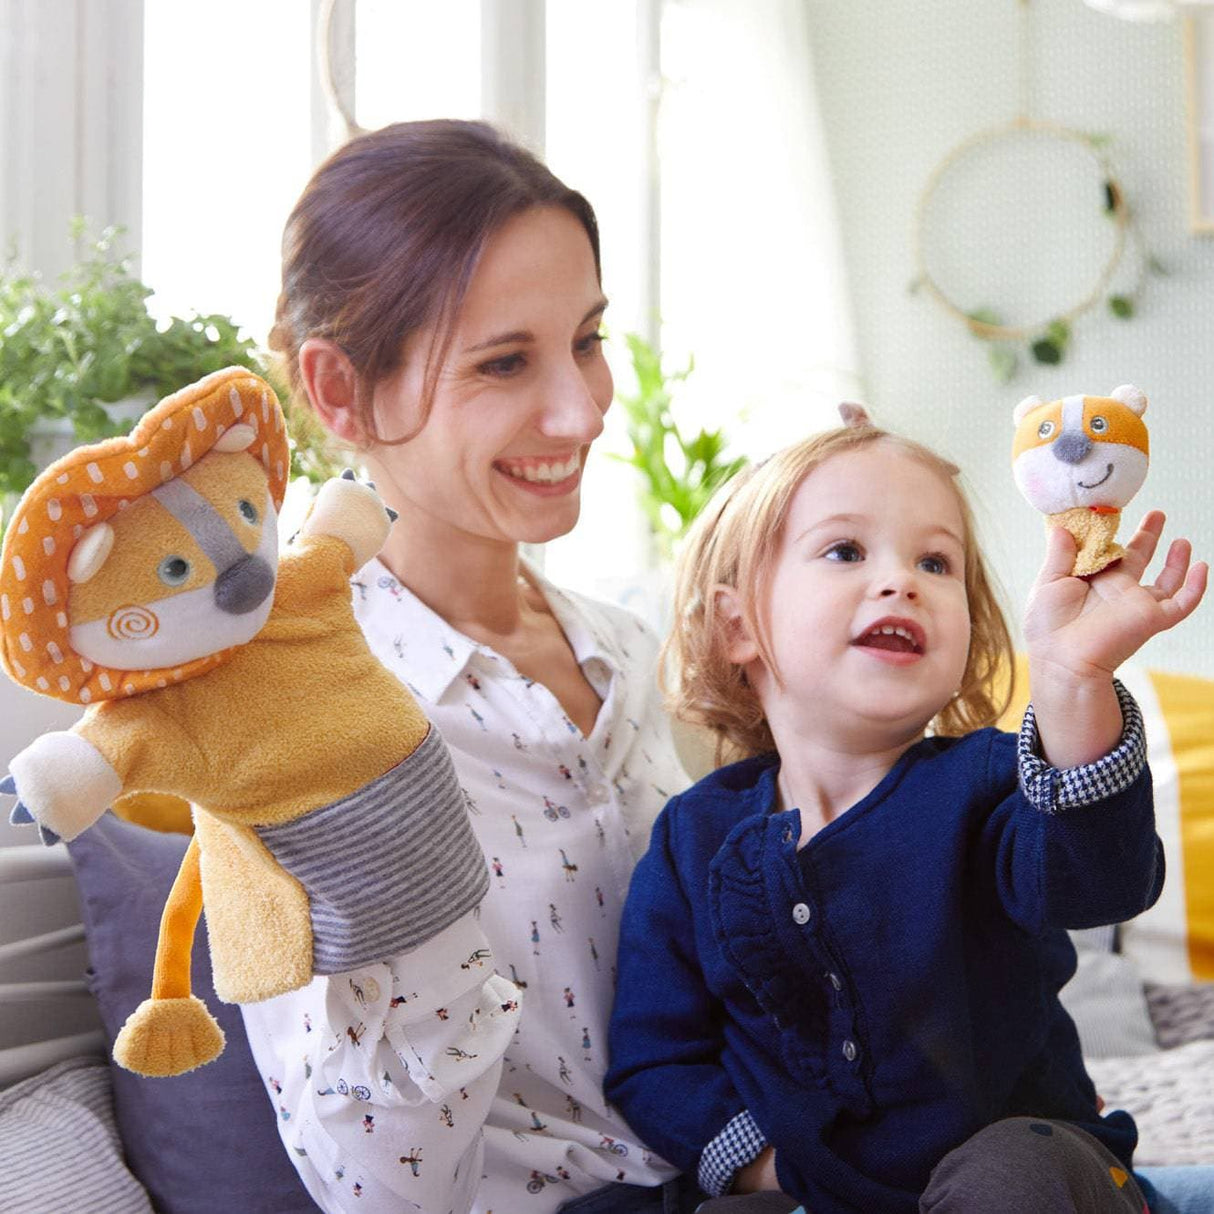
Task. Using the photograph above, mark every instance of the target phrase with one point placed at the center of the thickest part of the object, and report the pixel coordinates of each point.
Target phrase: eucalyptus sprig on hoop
(1047, 338)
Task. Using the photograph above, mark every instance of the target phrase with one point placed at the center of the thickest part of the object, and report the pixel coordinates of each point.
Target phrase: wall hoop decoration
(1115, 208)
(1047, 337)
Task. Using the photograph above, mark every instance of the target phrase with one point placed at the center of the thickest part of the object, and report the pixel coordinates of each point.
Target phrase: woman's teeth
(546, 473)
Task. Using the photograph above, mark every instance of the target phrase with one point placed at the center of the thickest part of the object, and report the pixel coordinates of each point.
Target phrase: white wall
(900, 84)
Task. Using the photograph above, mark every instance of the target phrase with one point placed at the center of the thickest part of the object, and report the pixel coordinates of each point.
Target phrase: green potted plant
(679, 473)
(86, 359)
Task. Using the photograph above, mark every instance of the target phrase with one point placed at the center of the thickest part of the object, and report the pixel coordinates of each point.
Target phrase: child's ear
(332, 384)
(740, 646)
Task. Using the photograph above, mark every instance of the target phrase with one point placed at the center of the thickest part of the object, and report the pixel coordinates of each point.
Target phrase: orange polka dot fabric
(88, 486)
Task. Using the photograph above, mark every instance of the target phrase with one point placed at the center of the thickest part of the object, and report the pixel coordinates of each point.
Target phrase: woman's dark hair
(386, 236)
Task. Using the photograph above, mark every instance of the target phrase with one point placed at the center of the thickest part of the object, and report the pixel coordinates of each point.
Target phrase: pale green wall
(901, 82)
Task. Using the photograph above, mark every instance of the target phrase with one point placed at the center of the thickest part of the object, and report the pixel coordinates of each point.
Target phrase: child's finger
(1184, 602)
(1175, 568)
(1141, 548)
(1060, 552)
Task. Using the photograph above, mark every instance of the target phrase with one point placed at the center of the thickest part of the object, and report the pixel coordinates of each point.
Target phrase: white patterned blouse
(466, 1075)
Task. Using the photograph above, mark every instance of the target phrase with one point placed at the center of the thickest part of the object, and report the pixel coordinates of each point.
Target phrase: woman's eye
(591, 342)
(934, 563)
(248, 511)
(508, 364)
(1045, 429)
(1099, 425)
(844, 551)
(173, 570)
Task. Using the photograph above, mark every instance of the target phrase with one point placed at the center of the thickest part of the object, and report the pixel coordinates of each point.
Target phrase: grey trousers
(1026, 1165)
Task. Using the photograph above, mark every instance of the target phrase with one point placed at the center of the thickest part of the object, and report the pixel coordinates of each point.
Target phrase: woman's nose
(575, 404)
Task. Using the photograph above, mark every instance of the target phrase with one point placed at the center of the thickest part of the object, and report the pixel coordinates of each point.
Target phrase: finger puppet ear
(854, 416)
(1133, 398)
(1024, 407)
(90, 553)
(238, 438)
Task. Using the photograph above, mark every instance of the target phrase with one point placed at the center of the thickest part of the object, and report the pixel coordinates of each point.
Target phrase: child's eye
(934, 563)
(507, 364)
(844, 550)
(591, 342)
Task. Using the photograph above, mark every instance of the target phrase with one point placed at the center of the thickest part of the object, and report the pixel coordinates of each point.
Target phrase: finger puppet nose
(244, 586)
(1071, 448)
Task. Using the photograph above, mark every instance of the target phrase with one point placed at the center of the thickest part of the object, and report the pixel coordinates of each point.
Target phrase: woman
(441, 312)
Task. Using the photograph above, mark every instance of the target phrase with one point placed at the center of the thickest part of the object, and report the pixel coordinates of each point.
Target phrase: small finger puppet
(1079, 460)
(141, 577)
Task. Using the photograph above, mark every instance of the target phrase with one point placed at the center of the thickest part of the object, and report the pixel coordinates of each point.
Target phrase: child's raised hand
(1088, 627)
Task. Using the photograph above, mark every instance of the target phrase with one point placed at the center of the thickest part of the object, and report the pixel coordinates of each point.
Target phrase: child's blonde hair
(733, 543)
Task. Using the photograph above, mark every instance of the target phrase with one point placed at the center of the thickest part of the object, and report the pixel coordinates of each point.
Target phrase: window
(227, 148)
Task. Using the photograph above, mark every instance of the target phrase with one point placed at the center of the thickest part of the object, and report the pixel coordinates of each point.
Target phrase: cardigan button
(850, 1052)
(801, 913)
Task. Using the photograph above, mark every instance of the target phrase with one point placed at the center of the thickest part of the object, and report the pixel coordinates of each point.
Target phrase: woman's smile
(549, 476)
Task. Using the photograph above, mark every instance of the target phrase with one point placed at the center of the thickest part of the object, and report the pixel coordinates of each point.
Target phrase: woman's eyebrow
(525, 335)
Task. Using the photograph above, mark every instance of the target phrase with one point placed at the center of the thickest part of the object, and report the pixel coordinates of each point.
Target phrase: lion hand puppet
(141, 577)
(1079, 460)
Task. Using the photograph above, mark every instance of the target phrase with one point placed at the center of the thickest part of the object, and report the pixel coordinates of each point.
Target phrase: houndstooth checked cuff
(739, 1143)
(1052, 791)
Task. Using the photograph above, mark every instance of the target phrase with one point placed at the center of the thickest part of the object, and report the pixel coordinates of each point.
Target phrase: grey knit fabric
(388, 867)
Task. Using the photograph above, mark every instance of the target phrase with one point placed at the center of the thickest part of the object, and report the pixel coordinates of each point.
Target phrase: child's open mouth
(898, 641)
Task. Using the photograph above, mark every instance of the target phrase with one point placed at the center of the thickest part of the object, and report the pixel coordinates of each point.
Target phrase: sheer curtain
(752, 276)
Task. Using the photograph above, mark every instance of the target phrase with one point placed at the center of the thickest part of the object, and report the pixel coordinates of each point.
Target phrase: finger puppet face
(185, 571)
(1081, 451)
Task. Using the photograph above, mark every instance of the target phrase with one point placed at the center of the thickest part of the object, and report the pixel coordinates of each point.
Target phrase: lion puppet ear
(1134, 399)
(1025, 407)
(90, 553)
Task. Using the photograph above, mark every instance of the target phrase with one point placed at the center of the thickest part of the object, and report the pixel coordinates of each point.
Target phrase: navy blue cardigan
(879, 996)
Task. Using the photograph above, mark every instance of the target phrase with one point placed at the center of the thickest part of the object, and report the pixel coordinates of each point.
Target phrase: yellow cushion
(1174, 940)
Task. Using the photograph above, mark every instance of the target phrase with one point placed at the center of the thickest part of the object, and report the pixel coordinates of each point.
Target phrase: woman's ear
(332, 386)
(740, 646)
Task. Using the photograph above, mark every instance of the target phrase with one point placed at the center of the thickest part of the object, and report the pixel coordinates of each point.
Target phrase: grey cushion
(59, 1148)
(1181, 1012)
(1107, 1002)
(200, 1142)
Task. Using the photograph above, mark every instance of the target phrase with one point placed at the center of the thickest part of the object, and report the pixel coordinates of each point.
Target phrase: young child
(840, 959)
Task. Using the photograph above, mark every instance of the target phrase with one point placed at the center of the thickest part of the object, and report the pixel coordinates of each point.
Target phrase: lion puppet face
(1081, 451)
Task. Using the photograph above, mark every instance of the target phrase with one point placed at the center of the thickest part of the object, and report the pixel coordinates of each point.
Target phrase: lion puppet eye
(173, 570)
(1045, 429)
(1099, 425)
(248, 511)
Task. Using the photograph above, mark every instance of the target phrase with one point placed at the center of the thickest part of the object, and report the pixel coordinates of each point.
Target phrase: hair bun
(855, 417)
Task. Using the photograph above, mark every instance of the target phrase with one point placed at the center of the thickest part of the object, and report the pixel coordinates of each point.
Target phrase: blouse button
(849, 1050)
(801, 913)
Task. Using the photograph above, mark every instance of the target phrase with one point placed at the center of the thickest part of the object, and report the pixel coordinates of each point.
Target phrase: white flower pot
(51, 438)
